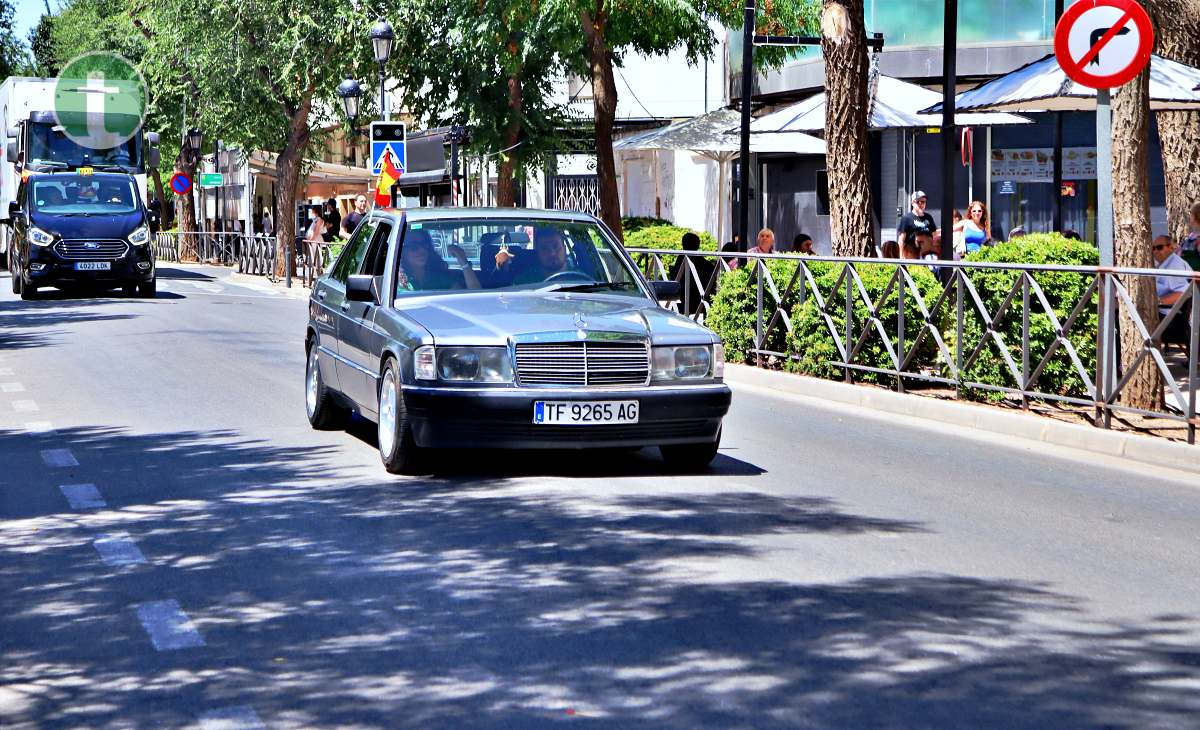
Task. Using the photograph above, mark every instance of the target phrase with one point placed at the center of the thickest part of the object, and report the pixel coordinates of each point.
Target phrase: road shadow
(41, 323)
(329, 600)
(168, 272)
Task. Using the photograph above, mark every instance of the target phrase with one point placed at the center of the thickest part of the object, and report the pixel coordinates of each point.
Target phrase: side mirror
(152, 138)
(14, 131)
(10, 152)
(361, 288)
(14, 209)
(153, 158)
(667, 291)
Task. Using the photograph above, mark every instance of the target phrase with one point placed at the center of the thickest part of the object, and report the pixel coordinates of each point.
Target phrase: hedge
(665, 236)
(1063, 291)
(735, 305)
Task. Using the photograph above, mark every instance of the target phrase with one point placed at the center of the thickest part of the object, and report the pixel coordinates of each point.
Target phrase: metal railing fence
(250, 254)
(889, 318)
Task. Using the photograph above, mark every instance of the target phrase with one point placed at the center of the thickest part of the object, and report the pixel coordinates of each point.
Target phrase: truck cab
(80, 229)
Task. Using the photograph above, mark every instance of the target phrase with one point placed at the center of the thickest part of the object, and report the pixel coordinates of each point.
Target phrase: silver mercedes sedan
(507, 328)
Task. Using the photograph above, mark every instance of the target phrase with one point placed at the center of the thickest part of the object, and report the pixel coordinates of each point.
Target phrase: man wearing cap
(915, 221)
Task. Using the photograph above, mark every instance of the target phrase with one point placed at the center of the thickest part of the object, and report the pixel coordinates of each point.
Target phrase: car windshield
(84, 195)
(512, 254)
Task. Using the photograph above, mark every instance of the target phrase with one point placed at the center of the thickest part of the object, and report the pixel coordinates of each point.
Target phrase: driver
(551, 254)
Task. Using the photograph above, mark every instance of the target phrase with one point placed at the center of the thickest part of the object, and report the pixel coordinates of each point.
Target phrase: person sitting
(890, 250)
(550, 258)
(803, 245)
(423, 269)
(731, 247)
(117, 194)
(1016, 233)
(697, 281)
(1170, 289)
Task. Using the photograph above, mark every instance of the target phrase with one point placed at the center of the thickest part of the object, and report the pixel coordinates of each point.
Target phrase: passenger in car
(550, 254)
(425, 270)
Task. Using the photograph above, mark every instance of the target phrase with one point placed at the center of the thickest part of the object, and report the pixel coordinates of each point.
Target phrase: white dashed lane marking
(25, 406)
(168, 626)
(38, 427)
(59, 458)
(118, 549)
(6, 372)
(232, 718)
(82, 496)
(12, 388)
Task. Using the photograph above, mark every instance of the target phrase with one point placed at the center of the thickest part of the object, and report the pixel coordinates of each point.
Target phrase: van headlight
(474, 364)
(690, 362)
(38, 237)
(140, 237)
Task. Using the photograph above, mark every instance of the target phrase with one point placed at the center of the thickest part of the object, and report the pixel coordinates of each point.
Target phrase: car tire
(691, 456)
(28, 291)
(148, 290)
(323, 413)
(396, 445)
(129, 289)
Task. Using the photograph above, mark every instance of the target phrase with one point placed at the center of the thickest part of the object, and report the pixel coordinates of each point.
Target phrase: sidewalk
(1133, 447)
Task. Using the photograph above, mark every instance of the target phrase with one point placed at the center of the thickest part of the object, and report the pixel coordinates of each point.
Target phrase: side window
(356, 250)
(375, 262)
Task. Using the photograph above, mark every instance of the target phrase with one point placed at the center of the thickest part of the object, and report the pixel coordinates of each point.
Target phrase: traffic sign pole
(1104, 183)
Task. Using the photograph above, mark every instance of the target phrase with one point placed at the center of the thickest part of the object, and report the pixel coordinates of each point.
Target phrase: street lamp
(195, 138)
(350, 92)
(381, 42)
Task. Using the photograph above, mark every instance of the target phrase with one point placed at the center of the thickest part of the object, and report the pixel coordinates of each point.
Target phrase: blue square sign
(388, 140)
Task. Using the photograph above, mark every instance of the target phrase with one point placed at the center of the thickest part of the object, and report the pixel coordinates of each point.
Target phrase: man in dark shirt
(332, 218)
(915, 221)
(352, 219)
(698, 281)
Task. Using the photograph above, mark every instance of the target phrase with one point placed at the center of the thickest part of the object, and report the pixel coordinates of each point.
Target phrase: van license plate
(93, 266)
(584, 413)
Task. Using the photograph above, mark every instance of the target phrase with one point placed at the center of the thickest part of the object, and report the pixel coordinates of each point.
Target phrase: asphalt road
(178, 549)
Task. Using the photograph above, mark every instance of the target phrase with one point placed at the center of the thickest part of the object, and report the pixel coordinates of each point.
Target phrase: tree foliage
(13, 59)
(41, 44)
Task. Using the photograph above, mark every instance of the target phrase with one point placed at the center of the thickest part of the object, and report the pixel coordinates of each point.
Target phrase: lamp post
(381, 43)
(193, 141)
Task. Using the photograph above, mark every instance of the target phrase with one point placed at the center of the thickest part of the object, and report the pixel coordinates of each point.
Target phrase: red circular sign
(1089, 28)
(181, 184)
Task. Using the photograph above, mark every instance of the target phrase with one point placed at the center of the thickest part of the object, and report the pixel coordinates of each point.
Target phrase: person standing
(354, 217)
(915, 221)
(332, 218)
(267, 228)
(975, 228)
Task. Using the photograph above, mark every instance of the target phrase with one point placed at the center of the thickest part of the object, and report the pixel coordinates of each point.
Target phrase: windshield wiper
(49, 163)
(593, 286)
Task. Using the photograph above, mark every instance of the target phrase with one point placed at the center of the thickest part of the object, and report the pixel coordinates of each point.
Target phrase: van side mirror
(10, 152)
(361, 288)
(14, 209)
(667, 291)
(153, 158)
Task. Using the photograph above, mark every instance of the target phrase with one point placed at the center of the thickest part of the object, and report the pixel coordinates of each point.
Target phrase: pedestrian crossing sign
(388, 140)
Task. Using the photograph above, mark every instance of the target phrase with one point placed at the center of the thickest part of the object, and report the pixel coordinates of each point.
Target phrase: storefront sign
(1036, 164)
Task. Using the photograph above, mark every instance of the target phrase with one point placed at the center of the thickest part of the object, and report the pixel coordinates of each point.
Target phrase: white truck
(37, 143)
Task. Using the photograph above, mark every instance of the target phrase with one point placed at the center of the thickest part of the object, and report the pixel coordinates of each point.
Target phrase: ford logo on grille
(91, 244)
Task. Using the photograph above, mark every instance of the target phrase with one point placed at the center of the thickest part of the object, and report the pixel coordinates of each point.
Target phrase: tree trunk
(187, 214)
(287, 170)
(1177, 31)
(505, 195)
(844, 47)
(604, 102)
(1131, 223)
(167, 212)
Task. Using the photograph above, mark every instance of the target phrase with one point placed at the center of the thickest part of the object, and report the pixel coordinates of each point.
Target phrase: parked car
(507, 328)
(80, 228)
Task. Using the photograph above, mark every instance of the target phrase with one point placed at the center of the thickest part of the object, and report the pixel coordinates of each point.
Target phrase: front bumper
(503, 417)
(134, 267)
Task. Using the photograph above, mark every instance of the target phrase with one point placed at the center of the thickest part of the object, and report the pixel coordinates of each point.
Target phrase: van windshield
(84, 195)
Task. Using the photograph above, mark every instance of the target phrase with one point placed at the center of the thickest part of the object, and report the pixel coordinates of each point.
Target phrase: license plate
(93, 266)
(584, 413)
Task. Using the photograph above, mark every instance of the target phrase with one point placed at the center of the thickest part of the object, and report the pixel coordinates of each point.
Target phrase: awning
(1042, 86)
(263, 163)
(898, 105)
(711, 134)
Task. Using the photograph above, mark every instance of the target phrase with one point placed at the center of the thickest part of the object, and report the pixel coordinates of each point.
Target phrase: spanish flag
(388, 176)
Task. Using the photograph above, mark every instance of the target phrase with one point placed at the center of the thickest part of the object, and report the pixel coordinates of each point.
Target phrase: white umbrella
(707, 136)
(1042, 86)
(897, 106)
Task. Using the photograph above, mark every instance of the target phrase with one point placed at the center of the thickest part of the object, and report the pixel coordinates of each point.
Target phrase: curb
(267, 283)
(1134, 447)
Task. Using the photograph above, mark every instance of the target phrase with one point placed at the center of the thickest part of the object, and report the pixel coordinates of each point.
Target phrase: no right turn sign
(1103, 43)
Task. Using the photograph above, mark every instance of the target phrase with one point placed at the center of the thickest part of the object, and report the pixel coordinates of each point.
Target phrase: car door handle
(321, 294)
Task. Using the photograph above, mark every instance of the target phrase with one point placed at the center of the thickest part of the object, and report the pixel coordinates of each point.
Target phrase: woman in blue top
(975, 228)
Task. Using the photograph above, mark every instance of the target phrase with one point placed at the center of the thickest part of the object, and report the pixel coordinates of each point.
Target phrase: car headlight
(474, 364)
(140, 237)
(423, 363)
(690, 362)
(38, 237)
